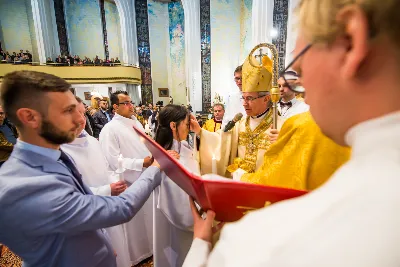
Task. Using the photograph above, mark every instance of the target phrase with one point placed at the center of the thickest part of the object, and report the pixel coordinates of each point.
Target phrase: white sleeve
(104, 190)
(198, 254)
(237, 175)
(110, 146)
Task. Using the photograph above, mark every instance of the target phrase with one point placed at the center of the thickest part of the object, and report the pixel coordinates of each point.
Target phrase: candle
(214, 165)
(120, 169)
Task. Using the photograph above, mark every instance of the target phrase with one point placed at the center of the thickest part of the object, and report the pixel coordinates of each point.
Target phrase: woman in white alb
(173, 222)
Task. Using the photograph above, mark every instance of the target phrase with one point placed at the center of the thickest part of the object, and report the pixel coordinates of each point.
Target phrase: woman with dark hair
(173, 222)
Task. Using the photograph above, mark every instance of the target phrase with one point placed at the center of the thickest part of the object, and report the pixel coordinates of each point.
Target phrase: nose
(81, 118)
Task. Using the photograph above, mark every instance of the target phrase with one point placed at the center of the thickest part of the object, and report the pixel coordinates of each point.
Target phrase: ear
(172, 125)
(29, 118)
(356, 30)
(115, 106)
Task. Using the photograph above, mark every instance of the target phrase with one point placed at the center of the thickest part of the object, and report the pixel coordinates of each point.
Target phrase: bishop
(247, 142)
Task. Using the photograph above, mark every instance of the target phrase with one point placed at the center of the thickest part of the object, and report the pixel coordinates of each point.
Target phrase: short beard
(53, 135)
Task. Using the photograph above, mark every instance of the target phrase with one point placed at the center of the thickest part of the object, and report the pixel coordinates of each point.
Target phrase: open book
(229, 199)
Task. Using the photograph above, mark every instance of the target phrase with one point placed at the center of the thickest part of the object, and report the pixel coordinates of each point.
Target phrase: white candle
(120, 170)
(214, 165)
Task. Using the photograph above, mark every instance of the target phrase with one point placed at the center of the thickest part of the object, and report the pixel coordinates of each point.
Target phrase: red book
(229, 199)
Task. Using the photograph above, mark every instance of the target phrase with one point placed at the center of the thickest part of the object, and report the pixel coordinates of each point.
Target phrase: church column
(40, 29)
(291, 31)
(43, 29)
(104, 25)
(143, 43)
(61, 27)
(262, 21)
(193, 52)
(280, 25)
(127, 15)
(205, 28)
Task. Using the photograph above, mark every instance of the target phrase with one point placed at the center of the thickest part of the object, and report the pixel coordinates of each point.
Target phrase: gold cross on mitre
(260, 55)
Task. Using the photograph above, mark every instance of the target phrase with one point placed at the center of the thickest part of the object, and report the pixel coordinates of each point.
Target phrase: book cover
(229, 199)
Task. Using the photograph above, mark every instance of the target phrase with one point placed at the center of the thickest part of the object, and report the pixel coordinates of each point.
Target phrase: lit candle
(214, 165)
(120, 170)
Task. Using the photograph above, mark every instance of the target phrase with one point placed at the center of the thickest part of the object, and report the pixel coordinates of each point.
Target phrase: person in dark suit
(8, 137)
(49, 217)
(101, 118)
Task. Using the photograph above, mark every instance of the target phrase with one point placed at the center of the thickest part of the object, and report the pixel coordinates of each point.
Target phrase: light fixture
(274, 33)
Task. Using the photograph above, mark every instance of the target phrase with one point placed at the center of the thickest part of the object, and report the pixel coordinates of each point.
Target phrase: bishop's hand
(194, 124)
(273, 135)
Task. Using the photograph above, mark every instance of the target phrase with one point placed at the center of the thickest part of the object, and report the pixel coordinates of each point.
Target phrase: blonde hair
(318, 22)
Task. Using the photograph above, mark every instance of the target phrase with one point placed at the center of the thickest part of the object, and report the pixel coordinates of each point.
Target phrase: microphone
(231, 123)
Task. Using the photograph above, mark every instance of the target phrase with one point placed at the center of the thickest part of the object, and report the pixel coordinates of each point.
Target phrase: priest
(214, 124)
(289, 105)
(233, 104)
(122, 146)
(249, 139)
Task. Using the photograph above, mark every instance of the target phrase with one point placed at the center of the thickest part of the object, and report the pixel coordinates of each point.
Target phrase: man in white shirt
(348, 57)
(118, 138)
(90, 161)
(234, 103)
(289, 106)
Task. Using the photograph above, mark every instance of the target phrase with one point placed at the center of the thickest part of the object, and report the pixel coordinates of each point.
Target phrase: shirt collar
(81, 140)
(47, 152)
(262, 115)
(293, 101)
(128, 121)
(374, 132)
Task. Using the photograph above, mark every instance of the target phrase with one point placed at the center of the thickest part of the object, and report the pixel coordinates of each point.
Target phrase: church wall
(159, 47)
(245, 28)
(15, 26)
(113, 30)
(102, 89)
(225, 45)
(177, 53)
(84, 28)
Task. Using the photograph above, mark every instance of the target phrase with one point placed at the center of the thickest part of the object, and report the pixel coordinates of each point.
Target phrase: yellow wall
(82, 74)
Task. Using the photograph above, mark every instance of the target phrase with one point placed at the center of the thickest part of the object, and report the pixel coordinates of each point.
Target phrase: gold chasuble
(302, 158)
(212, 125)
(245, 144)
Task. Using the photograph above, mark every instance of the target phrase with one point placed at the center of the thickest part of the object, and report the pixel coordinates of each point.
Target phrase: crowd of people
(78, 61)
(16, 58)
(69, 199)
(68, 60)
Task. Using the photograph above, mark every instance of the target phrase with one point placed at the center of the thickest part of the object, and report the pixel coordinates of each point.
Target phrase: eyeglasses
(250, 98)
(294, 87)
(127, 103)
(237, 79)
